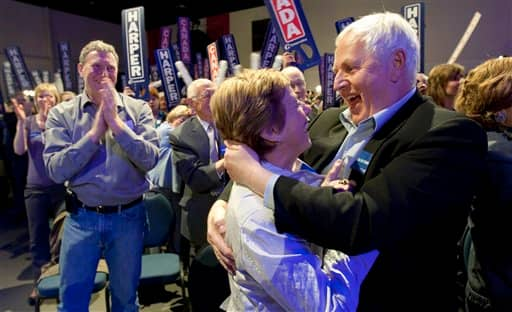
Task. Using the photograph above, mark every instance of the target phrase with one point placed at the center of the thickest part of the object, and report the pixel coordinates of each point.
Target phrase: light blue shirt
(111, 172)
(283, 272)
(357, 138)
(161, 174)
(359, 135)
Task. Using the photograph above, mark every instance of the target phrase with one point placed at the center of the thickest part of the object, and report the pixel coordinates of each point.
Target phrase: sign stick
(465, 38)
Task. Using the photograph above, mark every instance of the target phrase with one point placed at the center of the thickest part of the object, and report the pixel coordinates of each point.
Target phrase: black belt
(109, 209)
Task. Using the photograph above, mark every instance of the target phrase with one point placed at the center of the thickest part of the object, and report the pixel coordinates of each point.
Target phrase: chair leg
(184, 295)
(37, 304)
(184, 253)
(107, 298)
(182, 284)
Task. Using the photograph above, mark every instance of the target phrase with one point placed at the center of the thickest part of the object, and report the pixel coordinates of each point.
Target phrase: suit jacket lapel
(387, 131)
(327, 133)
(200, 137)
(331, 143)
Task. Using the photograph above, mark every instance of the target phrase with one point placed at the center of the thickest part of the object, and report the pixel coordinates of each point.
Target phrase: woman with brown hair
(443, 83)
(277, 271)
(486, 96)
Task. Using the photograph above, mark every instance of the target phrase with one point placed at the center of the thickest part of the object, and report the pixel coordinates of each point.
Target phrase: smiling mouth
(351, 99)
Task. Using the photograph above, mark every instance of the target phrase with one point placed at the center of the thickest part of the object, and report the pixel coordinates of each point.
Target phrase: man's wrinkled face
(360, 79)
(201, 102)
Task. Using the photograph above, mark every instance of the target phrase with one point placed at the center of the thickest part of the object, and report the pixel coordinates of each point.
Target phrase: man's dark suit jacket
(202, 185)
(411, 203)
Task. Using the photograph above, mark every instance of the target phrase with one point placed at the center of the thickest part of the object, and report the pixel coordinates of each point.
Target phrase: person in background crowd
(409, 160)
(422, 83)
(101, 143)
(128, 91)
(485, 95)
(443, 83)
(43, 197)
(197, 152)
(163, 102)
(298, 84)
(67, 95)
(154, 104)
(161, 175)
(16, 165)
(198, 158)
(289, 59)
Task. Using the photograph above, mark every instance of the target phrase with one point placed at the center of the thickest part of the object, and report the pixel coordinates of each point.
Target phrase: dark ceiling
(156, 13)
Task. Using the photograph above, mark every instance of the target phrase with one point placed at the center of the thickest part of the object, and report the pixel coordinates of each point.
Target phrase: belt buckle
(99, 209)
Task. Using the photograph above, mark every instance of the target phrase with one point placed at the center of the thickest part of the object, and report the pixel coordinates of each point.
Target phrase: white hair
(195, 86)
(383, 33)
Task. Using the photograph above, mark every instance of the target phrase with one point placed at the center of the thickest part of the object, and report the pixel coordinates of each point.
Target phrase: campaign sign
(65, 64)
(169, 77)
(19, 68)
(206, 68)
(415, 15)
(135, 46)
(46, 76)
(213, 58)
(36, 76)
(2, 108)
(199, 63)
(57, 81)
(154, 73)
(270, 47)
(80, 82)
(184, 39)
(165, 37)
(230, 51)
(10, 82)
(123, 78)
(321, 69)
(342, 23)
(328, 93)
(176, 50)
(293, 30)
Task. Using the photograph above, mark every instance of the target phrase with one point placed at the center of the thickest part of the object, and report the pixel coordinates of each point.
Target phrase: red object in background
(217, 26)
(153, 39)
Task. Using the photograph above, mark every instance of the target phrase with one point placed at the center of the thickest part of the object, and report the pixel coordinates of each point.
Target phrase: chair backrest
(160, 217)
(466, 247)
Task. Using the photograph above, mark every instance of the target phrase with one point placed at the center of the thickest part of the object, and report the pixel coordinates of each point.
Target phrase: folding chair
(159, 268)
(47, 286)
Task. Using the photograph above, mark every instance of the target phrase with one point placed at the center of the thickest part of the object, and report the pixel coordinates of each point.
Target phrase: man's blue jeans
(89, 235)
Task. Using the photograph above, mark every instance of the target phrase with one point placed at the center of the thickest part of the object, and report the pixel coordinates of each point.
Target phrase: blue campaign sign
(168, 75)
(328, 93)
(270, 47)
(230, 51)
(135, 47)
(293, 31)
(415, 15)
(1, 102)
(65, 64)
(36, 76)
(19, 68)
(10, 81)
(342, 23)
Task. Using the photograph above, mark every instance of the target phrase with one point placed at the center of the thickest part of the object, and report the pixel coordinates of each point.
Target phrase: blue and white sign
(415, 15)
